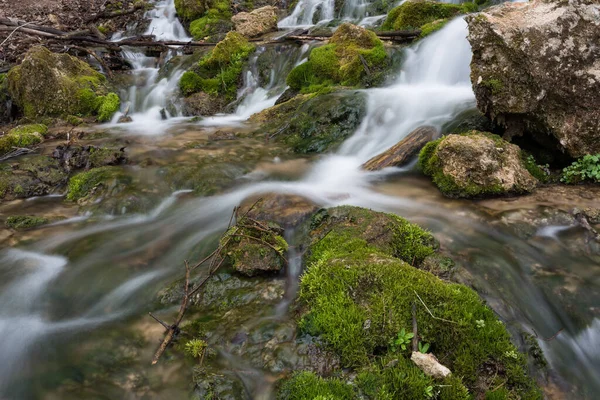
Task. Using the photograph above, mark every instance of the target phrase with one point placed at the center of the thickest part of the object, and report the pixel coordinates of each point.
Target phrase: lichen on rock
(256, 23)
(48, 84)
(476, 164)
(536, 72)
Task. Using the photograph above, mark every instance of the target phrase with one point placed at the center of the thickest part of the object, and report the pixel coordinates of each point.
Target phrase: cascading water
(82, 278)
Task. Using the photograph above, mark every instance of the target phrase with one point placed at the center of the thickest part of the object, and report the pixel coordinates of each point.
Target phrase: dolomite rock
(536, 70)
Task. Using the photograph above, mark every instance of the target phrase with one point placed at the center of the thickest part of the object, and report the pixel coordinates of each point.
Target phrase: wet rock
(202, 104)
(85, 157)
(287, 210)
(288, 94)
(23, 222)
(51, 84)
(469, 120)
(253, 250)
(535, 71)
(404, 151)
(430, 365)
(256, 23)
(222, 135)
(31, 176)
(124, 119)
(476, 164)
(313, 124)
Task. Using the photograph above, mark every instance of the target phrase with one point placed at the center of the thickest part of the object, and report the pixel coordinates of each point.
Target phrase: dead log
(401, 153)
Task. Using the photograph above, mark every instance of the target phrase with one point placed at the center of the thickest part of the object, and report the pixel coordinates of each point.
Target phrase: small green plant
(423, 347)
(480, 323)
(587, 168)
(401, 340)
(196, 348)
(429, 392)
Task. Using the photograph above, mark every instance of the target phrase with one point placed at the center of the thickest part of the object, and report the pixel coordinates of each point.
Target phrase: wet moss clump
(354, 57)
(22, 222)
(418, 14)
(107, 106)
(219, 72)
(84, 183)
(22, 136)
(189, 10)
(214, 22)
(48, 84)
(357, 295)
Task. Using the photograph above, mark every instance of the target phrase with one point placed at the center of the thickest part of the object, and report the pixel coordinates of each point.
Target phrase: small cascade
(306, 11)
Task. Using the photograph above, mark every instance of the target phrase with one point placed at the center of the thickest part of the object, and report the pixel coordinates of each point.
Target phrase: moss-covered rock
(423, 14)
(203, 178)
(476, 164)
(48, 84)
(219, 72)
(214, 23)
(357, 296)
(22, 222)
(189, 10)
(353, 57)
(32, 176)
(314, 124)
(94, 181)
(22, 136)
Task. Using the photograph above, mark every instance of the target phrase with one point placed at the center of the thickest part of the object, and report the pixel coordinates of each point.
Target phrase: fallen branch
(551, 337)
(115, 14)
(14, 30)
(18, 151)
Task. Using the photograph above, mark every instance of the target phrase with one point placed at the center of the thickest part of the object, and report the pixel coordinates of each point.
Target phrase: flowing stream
(88, 280)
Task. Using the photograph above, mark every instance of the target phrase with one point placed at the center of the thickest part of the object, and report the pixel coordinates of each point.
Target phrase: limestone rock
(476, 164)
(255, 23)
(401, 153)
(430, 365)
(536, 70)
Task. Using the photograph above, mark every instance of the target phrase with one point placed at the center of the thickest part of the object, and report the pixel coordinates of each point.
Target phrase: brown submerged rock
(203, 104)
(256, 23)
(536, 70)
(405, 150)
(286, 210)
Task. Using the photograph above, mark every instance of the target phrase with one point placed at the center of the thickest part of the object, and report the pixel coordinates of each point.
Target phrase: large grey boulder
(536, 70)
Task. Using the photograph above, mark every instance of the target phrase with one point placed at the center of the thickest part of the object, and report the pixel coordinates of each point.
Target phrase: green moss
(108, 106)
(21, 222)
(189, 10)
(216, 20)
(219, 72)
(356, 296)
(81, 185)
(533, 168)
(353, 57)
(434, 26)
(22, 136)
(417, 14)
(74, 120)
(308, 386)
(47, 84)
(495, 85)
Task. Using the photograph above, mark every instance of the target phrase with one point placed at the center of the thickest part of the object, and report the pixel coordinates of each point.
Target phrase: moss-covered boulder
(22, 136)
(213, 23)
(313, 123)
(31, 176)
(354, 56)
(96, 181)
(189, 10)
(219, 73)
(49, 84)
(426, 15)
(476, 164)
(359, 294)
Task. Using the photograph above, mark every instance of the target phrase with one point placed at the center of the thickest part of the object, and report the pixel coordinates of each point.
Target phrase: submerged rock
(313, 124)
(48, 84)
(287, 210)
(476, 164)
(85, 157)
(535, 70)
(256, 23)
(404, 151)
(31, 176)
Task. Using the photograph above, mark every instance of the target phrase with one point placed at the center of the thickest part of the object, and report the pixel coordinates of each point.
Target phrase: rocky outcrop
(404, 151)
(48, 84)
(256, 23)
(476, 164)
(536, 70)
